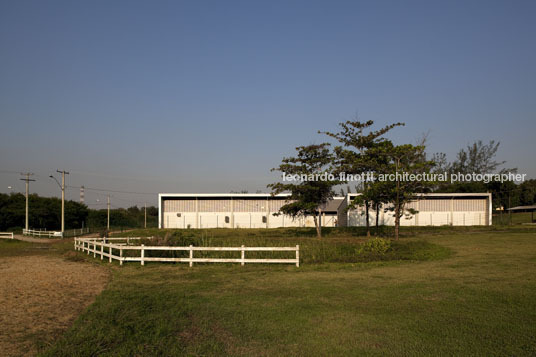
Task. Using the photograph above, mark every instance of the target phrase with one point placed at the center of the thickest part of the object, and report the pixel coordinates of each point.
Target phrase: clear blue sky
(203, 96)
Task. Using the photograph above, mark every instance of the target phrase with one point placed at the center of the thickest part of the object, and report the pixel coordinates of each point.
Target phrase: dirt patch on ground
(40, 297)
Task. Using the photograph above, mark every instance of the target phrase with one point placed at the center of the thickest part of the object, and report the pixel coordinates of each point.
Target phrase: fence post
(243, 256)
(94, 248)
(102, 250)
(128, 240)
(75, 247)
(297, 255)
(142, 254)
(120, 256)
(110, 252)
(191, 256)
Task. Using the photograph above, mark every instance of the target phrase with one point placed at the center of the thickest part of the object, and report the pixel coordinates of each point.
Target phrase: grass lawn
(517, 218)
(479, 300)
(461, 292)
(13, 247)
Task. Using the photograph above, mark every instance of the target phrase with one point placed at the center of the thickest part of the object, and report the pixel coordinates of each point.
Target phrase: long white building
(234, 210)
(433, 209)
(230, 210)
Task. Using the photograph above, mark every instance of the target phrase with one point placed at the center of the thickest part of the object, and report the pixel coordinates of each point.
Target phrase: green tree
(306, 196)
(44, 212)
(357, 156)
(479, 158)
(527, 193)
(410, 159)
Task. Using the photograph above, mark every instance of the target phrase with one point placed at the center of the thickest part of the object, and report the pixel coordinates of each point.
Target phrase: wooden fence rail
(40, 233)
(105, 248)
(56, 234)
(8, 235)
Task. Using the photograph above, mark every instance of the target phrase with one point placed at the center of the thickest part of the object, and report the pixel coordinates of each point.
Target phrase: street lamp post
(62, 186)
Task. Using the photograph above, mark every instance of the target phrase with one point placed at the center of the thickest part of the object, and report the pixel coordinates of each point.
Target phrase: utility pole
(108, 204)
(63, 173)
(27, 179)
(145, 225)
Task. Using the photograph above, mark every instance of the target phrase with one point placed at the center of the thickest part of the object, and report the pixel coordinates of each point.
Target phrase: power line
(114, 191)
(9, 172)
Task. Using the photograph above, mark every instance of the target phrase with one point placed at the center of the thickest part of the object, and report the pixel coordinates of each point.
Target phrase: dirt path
(40, 297)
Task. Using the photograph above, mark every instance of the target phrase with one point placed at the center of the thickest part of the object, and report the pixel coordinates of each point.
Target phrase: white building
(434, 209)
(234, 210)
(230, 210)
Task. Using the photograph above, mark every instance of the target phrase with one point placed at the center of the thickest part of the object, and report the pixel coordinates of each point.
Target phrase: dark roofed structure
(530, 208)
(332, 206)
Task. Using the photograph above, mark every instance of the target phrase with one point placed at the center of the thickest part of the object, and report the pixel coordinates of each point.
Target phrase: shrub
(375, 246)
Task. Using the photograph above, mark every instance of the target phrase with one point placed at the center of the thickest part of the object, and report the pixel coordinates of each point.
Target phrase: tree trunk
(377, 219)
(397, 220)
(397, 203)
(318, 228)
(367, 217)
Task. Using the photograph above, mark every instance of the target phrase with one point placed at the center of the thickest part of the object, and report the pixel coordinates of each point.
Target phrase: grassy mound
(312, 250)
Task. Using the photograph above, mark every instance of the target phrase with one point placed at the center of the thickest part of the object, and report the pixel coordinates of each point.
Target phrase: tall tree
(354, 157)
(527, 194)
(306, 196)
(377, 191)
(411, 160)
(478, 158)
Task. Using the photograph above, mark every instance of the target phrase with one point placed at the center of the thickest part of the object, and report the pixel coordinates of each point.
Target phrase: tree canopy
(45, 213)
(306, 196)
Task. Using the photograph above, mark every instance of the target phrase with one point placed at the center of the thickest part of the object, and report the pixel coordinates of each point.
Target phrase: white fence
(74, 232)
(104, 247)
(49, 234)
(41, 233)
(8, 235)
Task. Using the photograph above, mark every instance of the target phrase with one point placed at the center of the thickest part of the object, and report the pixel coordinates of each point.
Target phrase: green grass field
(459, 293)
(516, 218)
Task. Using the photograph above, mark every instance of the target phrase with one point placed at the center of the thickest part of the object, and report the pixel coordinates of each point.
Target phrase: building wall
(258, 212)
(421, 219)
(432, 211)
(194, 212)
(342, 214)
(231, 220)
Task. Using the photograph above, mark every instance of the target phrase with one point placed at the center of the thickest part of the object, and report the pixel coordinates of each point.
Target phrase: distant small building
(530, 209)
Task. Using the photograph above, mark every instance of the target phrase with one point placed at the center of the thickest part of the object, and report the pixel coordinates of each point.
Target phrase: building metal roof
(455, 194)
(215, 195)
(523, 208)
(331, 206)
